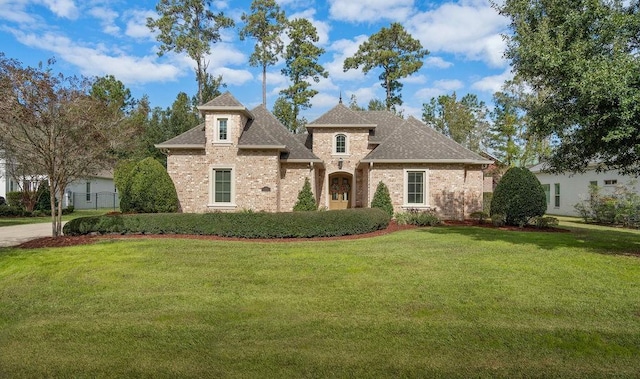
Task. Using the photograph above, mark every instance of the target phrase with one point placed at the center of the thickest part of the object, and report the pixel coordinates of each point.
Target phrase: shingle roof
(341, 116)
(387, 122)
(225, 102)
(266, 131)
(413, 141)
(193, 138)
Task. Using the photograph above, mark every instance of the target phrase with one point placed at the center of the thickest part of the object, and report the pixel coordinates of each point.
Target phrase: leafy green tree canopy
(581, 59)
(396, 52)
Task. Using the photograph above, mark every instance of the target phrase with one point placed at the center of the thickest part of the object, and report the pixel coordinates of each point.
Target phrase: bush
(486, 202)
(7, 211)
(146, 188)
(382, 199)
(306, 201)
(621, 207)
(43, 198)
(14, 199)
(545, 222)
(243, 225)
(418, 217)
(479, 216)
(519, 197)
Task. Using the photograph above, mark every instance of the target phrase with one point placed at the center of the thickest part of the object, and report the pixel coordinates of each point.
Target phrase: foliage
(479, 216)
(242, 224)
(122, 179)
(518, 197)
(51, 125)
(265, 24)
(545, 222)
(14, 199)
(284, 112)
(43, 196)
(189, 26)
(418, 217)
(306, 200)
(147, 188)
(588, 83)
(301, 65)
(113, 92)
(12, 211)
(486, 202)
(463, 120)
(382, 199)
(622, 207)
(396, 52)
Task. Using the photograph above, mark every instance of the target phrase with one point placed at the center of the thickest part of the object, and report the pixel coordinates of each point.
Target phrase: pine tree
(306, 200)
(382, 199)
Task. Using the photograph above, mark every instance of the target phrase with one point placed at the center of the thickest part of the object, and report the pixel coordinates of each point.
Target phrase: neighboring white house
(97, 191)
(564, 191)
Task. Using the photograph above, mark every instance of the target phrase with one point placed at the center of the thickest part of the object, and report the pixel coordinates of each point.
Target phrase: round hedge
(145, 187)
(518, 197)
(242, 225)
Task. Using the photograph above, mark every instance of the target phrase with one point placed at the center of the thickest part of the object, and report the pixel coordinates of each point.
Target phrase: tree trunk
(199, 79)
(264, 85)
(52, 198)
(59, 215)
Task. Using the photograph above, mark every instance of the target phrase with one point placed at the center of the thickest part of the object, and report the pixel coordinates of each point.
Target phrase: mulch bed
(393, 227)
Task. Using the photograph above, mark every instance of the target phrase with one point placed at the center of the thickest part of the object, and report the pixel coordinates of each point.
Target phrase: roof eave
(179, 146)
(263, 147)
(326, 126)
(442, 161)
(302, 160)
(216, 108)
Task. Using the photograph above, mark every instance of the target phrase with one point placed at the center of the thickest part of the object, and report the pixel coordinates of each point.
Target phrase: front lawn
(436, 302)
(8, 221)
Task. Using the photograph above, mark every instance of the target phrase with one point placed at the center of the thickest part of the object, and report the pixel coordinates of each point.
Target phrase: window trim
(216, 130)
(547, 193)
(556, 195)
(87, 195)
(405, 192)
(212, 184)
(335, 144)
(611, 182)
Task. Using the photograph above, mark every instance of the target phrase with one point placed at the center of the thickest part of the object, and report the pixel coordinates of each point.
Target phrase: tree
(189, 26)
(51, 125)
(301, 64)
(265, 24)
(114, 93)
(581, 59)
(353, 104)
(463, 120)
(382, 199)
(147, 188)
(518, 197)
(210, 89)
(376, 105)
(283, 111)
(396, 52)
(306, 200)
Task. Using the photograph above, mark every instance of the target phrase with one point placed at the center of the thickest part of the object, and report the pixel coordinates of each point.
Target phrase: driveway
(17, 234)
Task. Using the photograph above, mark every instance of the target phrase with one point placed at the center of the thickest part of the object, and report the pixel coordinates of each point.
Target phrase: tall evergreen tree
(301, 65)
(265, 24)
(396, 52)
(189, 26)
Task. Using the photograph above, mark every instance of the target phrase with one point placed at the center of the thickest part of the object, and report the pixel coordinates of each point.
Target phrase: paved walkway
(17, 234)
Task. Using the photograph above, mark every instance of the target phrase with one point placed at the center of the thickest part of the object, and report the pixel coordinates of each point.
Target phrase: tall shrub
(382, 199)
(150, 189)
(122, 178)
(43, 198)
(306, 200)
(518, 197)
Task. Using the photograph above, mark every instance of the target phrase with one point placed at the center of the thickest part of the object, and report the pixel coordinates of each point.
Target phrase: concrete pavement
(17, 234)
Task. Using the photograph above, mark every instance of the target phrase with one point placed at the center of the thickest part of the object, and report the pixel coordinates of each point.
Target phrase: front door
(340, 191)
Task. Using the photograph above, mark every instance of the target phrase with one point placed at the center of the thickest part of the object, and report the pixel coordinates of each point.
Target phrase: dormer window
(222, 132)
(340, 144)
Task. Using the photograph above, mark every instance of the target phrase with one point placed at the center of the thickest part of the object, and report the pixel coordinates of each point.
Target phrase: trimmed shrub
(145, 187)
(479, 216)
(7, 211)
(243, 225)
(14, 199)
(382, 199)
(545, 222)
(519, 197)
(306, 201)
(418, 218)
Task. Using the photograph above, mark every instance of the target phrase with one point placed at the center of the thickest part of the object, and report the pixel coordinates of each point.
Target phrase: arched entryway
(340, 185)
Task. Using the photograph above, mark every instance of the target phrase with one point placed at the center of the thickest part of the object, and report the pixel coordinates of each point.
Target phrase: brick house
(240, 159)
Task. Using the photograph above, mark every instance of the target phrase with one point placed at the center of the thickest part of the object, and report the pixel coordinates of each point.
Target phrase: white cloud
(107, 19)
(98, 61)
(440, 87)
(437, 62)
(414, 79)
(15, 11)
(494, 83)
(231, 76)
(62, 8)
(341, 50)
(469, 28)
(370, 10)
(137, 24)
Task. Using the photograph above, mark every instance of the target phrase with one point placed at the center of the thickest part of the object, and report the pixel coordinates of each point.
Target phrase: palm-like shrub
(518, 198)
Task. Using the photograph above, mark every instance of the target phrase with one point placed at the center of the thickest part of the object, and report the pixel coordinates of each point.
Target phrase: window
(416, 188)
(222, 130)
(557, 194)
(222, 187)
(88, 194)
(610, 182)
(340, 144)
(547, 192)
(593, 183)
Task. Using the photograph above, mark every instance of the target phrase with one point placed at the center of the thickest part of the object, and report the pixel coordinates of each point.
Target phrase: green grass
(8, 221)
(438, 302)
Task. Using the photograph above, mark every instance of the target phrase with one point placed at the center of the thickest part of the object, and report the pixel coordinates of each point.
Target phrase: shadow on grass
(608, 241)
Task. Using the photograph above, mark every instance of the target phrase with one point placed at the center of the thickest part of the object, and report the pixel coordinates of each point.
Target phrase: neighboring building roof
(341, 116)
(413, 141)
(265, 131)
(193, 138)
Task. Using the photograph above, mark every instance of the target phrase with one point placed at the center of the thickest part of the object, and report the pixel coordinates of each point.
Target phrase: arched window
(341, 144)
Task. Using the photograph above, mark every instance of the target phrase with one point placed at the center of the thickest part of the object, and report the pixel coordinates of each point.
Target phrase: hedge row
(243, 225)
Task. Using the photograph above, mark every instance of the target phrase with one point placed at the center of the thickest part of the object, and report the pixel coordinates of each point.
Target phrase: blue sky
(100, 37)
